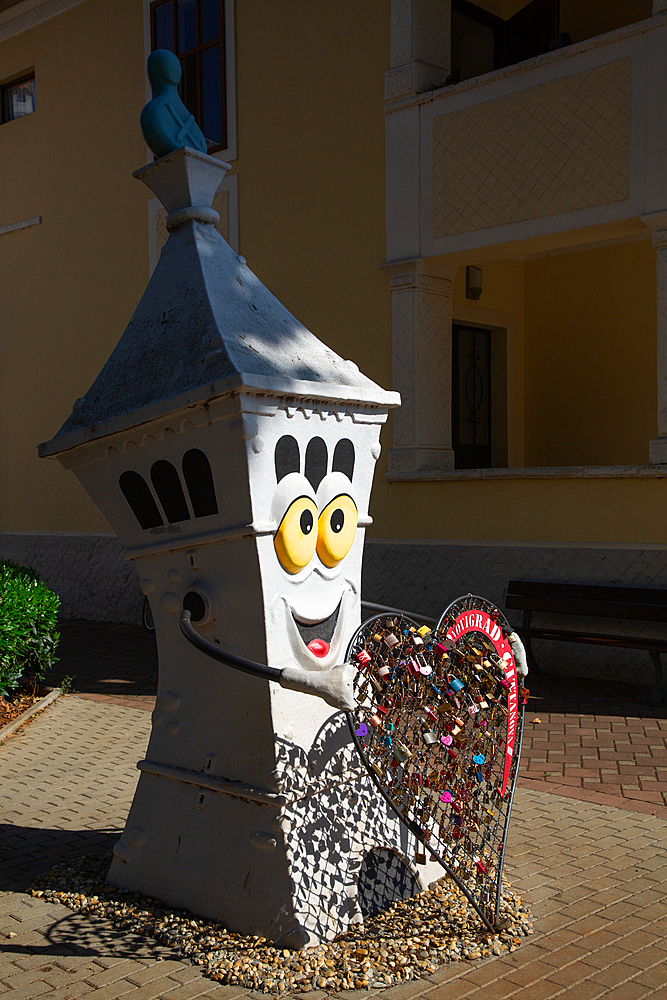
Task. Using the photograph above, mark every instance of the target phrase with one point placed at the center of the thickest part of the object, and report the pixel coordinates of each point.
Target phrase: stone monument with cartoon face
(233, 453)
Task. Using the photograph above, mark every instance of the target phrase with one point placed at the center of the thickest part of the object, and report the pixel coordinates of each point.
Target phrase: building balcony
(567, 147)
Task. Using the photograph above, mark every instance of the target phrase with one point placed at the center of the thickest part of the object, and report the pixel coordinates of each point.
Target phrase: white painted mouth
(322, 628)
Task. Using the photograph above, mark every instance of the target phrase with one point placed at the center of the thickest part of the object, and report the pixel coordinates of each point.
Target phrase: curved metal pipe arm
(334, 685)
(229, 659)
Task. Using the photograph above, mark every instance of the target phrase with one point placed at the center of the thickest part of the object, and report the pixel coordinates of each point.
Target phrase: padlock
(364, 656)
(400, 752)
(424, 631)
(383, 671)
(429, 738)
(454, 683)
(391, 640)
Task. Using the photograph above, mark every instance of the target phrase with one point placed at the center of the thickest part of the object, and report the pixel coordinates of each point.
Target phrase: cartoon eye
(336, 530)
(296, 536)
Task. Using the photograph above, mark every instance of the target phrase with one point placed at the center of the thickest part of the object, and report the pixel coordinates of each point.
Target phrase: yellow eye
(296, 536)
(336, 530)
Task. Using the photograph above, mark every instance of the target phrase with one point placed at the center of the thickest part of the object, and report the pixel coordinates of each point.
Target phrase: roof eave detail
(260, 385)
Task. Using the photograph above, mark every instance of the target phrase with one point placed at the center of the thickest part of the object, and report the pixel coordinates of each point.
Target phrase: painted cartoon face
(316, 512)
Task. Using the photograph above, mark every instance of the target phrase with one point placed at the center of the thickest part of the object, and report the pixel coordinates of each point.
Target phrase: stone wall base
(426, 576)
(86, 570)
(95, 583)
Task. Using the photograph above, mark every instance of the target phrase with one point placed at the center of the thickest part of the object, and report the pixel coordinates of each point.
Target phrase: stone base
(424, 577)
(297, 868)
(87, 571)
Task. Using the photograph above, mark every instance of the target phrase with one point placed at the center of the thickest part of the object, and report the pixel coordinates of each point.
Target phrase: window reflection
(18, 99)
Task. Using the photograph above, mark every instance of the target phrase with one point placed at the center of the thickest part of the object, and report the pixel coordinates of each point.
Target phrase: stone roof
(205, 326)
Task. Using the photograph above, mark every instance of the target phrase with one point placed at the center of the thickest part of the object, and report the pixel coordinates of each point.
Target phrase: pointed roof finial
(166, 123)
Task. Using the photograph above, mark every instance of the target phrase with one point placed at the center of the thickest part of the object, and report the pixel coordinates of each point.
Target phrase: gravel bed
(407, 941)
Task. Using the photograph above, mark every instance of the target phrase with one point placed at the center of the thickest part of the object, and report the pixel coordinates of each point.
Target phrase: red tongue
(318, 647)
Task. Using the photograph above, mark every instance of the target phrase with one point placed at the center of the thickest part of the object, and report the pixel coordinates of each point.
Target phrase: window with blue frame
(195, 31)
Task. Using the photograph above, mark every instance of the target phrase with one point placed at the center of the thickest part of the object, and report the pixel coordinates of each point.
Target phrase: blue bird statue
(166, 123)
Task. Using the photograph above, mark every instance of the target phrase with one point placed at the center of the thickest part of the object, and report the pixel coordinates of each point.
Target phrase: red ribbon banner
(480, 621)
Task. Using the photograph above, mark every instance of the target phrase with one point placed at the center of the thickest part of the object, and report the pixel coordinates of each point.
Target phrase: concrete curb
(11, 727)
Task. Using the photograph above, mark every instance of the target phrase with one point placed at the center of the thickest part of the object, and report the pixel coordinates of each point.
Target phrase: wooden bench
(597, 601)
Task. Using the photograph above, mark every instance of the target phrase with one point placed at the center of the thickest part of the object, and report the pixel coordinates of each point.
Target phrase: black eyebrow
(317, 458)
(343, 459)
(287, 458)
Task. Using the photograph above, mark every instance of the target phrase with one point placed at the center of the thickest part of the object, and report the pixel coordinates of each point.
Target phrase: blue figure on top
(165, 122)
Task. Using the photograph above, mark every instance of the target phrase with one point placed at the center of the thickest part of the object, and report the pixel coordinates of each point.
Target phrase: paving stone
(589, 871)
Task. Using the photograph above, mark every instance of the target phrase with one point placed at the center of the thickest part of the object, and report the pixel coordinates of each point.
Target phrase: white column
(421, 294)
(658, 446)
(420, 46)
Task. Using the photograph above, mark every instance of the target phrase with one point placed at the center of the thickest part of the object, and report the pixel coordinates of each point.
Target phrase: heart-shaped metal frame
(438, 727)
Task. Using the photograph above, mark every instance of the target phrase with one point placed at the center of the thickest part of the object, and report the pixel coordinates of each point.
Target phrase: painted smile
(317, 635)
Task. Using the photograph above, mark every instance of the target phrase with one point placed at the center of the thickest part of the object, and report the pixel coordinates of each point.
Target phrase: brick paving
(584, 851)
(595, 877)
(109, 663)
(596, 741)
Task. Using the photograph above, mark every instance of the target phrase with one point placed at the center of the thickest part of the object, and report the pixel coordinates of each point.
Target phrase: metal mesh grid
(432, 725)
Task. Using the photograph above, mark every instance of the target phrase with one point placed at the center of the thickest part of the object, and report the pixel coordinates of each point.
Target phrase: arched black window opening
(199, 481)
(287, 456)
(343, 460)
(170, 492)
(137, 493)
(316, 461)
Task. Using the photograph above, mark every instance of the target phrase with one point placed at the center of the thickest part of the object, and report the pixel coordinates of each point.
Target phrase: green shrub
(28, 619)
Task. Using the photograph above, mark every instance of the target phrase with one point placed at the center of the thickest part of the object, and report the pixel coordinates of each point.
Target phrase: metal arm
(334, 685)
(229, 659)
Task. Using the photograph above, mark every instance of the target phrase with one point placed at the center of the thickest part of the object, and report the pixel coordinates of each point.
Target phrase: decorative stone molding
(29, 14)
(422, 334)
(560, 146)
(401, 470)
(420, 46)
(412, 78)
(26, 224)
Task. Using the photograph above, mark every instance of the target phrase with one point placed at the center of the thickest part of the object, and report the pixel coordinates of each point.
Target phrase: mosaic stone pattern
(340, 818)
(559, 147)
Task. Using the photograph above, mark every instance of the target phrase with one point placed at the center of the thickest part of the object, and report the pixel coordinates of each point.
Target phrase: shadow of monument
(351, 856)
(27, 852)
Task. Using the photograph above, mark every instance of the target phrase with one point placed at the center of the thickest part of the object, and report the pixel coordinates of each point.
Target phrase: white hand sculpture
(333, 685)
(519, 655)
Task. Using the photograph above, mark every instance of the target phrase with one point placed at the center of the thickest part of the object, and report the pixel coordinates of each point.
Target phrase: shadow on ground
(104, 658)
(85, 936)
(26, 852)
(576, 696)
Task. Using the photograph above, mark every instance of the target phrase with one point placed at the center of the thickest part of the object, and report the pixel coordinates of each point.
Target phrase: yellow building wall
(69, 285)
(311, 169)
(585, 363)
(590, 355)
(310, 85)
(587, 18)
(608, 511)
